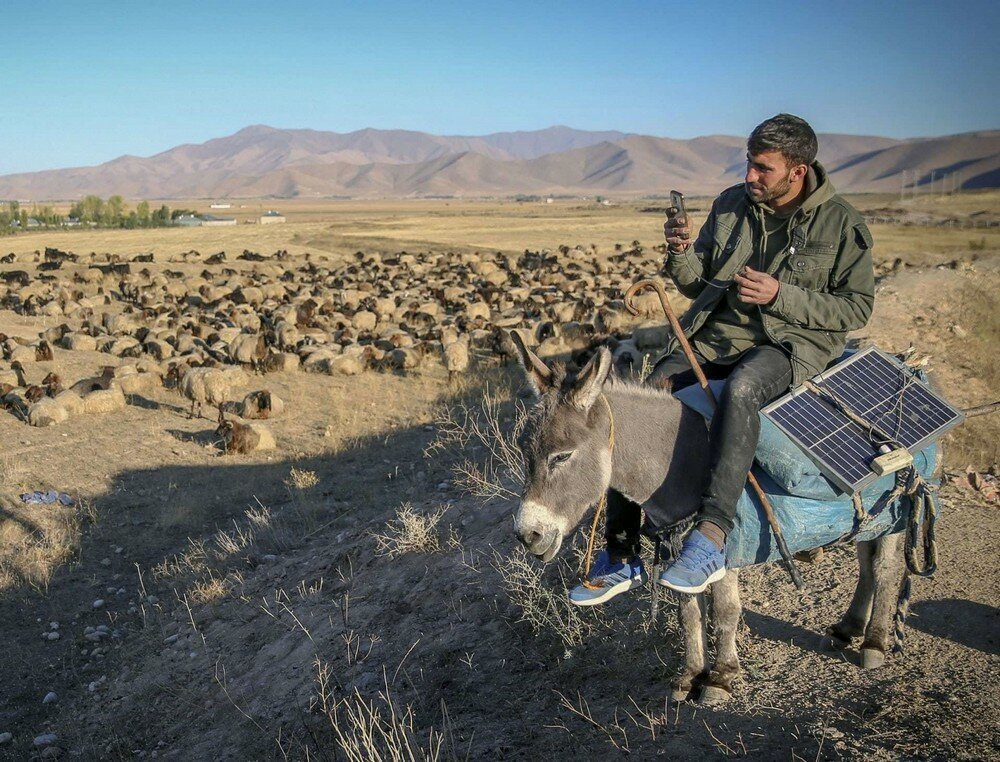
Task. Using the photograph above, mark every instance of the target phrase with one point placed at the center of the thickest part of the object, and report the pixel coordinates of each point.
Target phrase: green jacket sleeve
(848, 304)
(689, 269)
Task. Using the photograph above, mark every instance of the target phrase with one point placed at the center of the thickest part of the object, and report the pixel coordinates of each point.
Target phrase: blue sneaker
(608, 580)
(699, 565)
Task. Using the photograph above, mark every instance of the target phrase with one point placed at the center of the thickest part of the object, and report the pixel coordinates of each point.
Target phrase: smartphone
(677, 204)
(677, 208)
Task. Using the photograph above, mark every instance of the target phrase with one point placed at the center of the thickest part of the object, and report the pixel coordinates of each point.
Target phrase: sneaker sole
(611, 592)
(713, 577)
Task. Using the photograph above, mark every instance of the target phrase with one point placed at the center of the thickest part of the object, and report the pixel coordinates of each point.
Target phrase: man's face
(768, 176)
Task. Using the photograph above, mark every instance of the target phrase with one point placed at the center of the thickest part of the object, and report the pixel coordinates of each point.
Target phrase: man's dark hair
(788, 134)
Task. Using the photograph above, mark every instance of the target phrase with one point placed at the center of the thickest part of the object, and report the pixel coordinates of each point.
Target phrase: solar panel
(879, 389)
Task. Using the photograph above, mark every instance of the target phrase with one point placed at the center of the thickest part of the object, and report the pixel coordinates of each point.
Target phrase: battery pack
(891, 462)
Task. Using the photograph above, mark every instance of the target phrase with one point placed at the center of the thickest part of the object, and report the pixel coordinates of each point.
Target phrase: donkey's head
(566, 447)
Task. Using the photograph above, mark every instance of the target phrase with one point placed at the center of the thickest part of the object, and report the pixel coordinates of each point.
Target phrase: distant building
(221, 206)
(211, 221)
(188, 221)
(270, 217)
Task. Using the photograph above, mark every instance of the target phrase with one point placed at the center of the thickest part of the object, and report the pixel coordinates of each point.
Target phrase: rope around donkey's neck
(601, 504)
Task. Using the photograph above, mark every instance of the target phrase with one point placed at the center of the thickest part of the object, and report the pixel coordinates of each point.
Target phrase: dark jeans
(760, 376)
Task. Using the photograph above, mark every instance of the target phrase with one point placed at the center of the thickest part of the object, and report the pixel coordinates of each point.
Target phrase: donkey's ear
(591, 380)
(539, 374)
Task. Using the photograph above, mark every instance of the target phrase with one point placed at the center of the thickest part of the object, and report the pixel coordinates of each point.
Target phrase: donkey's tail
(902, 610)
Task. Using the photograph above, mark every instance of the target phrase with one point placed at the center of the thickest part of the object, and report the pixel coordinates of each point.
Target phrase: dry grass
(35, 541)
(259, 529)
(209, 590)
(338, 228)
(488, 428)
(410, 532)
(300, 479)
(540, 603)
(379, 729)
(975, 442)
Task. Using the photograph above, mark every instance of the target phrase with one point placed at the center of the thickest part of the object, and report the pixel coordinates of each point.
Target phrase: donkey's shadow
(967, 623)
(781, 631)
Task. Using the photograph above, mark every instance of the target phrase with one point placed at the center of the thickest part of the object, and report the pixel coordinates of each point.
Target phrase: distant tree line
(115, 213)
(92, 211)
(14, 216)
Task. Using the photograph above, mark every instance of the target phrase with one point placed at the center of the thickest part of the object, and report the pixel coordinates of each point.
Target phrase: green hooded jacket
(825, 271)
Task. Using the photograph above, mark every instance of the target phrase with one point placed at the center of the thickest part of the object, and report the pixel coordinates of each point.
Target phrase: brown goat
(242, 438)
(53, 384)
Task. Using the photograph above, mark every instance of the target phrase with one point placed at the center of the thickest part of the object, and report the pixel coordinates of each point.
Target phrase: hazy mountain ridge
(267, 161)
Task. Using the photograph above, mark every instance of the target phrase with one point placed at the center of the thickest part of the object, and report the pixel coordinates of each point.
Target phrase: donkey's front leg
(693, 627)
(887, 568)
(852, 624)
(726, 611)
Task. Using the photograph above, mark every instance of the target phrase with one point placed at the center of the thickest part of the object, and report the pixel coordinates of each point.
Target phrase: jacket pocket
(810, 266)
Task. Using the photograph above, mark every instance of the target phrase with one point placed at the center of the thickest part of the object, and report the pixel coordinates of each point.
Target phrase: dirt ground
(246, 611)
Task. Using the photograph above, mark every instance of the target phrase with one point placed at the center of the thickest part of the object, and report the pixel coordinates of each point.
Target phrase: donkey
(661, 449)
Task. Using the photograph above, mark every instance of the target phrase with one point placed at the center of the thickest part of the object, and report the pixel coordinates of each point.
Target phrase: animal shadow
(968, 623)
(137, 400)
(779, 630)
(203, 438)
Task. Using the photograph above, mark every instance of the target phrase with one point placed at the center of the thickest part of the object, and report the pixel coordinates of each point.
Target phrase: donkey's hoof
(833, 643)
(679, 694)
(713, 695)
(872, 658)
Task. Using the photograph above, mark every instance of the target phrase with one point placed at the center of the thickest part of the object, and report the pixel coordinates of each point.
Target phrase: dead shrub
(542, 605)
(490, 428)
(410, 532)
(376, 730)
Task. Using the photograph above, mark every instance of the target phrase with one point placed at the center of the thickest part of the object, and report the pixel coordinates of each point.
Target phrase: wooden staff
(703, 382)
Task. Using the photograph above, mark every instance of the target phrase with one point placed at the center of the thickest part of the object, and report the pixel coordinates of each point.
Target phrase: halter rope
(601, 504)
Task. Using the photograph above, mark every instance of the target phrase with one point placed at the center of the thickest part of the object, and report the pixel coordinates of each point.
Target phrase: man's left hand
(756, 287)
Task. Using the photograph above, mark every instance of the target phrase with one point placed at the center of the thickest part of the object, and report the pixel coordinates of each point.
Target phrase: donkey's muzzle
(538, 530)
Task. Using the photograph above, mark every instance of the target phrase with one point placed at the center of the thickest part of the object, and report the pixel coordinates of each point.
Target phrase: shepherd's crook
(703, 381)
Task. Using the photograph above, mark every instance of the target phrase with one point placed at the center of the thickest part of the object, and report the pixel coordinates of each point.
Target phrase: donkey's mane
(634, 389)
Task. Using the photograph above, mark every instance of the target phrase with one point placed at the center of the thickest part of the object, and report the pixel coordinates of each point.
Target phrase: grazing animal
(19, 372)
(210, 385)
(46, 412)
(456, 359)
(261, 405)
(242, 438)
(570, 464)
(93, 383)
(248, 349)
(53, 384)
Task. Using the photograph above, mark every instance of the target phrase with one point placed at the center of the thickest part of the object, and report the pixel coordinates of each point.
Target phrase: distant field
(337, 227)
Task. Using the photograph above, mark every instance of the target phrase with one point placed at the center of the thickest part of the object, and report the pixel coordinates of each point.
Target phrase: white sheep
(456, 358)
(46, 412)
(210, 385)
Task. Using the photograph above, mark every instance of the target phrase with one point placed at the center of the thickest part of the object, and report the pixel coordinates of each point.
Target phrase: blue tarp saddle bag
(811, 510)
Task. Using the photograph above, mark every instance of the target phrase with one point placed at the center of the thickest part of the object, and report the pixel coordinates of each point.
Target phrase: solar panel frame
(881, 390)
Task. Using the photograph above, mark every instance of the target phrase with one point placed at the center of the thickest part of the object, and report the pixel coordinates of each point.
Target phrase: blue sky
(85, 83)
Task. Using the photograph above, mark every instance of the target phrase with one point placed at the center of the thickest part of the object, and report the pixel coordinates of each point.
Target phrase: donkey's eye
(559, 458)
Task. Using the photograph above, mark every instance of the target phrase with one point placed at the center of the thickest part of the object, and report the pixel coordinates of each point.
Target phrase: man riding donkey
(780, 272)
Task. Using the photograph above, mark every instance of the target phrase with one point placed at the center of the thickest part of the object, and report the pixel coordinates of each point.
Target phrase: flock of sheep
(209, 334)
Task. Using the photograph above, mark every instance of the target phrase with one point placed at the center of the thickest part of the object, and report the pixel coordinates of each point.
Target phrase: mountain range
(261, 161)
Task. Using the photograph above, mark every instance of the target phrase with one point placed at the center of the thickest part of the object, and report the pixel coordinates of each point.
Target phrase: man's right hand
(677, 233)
